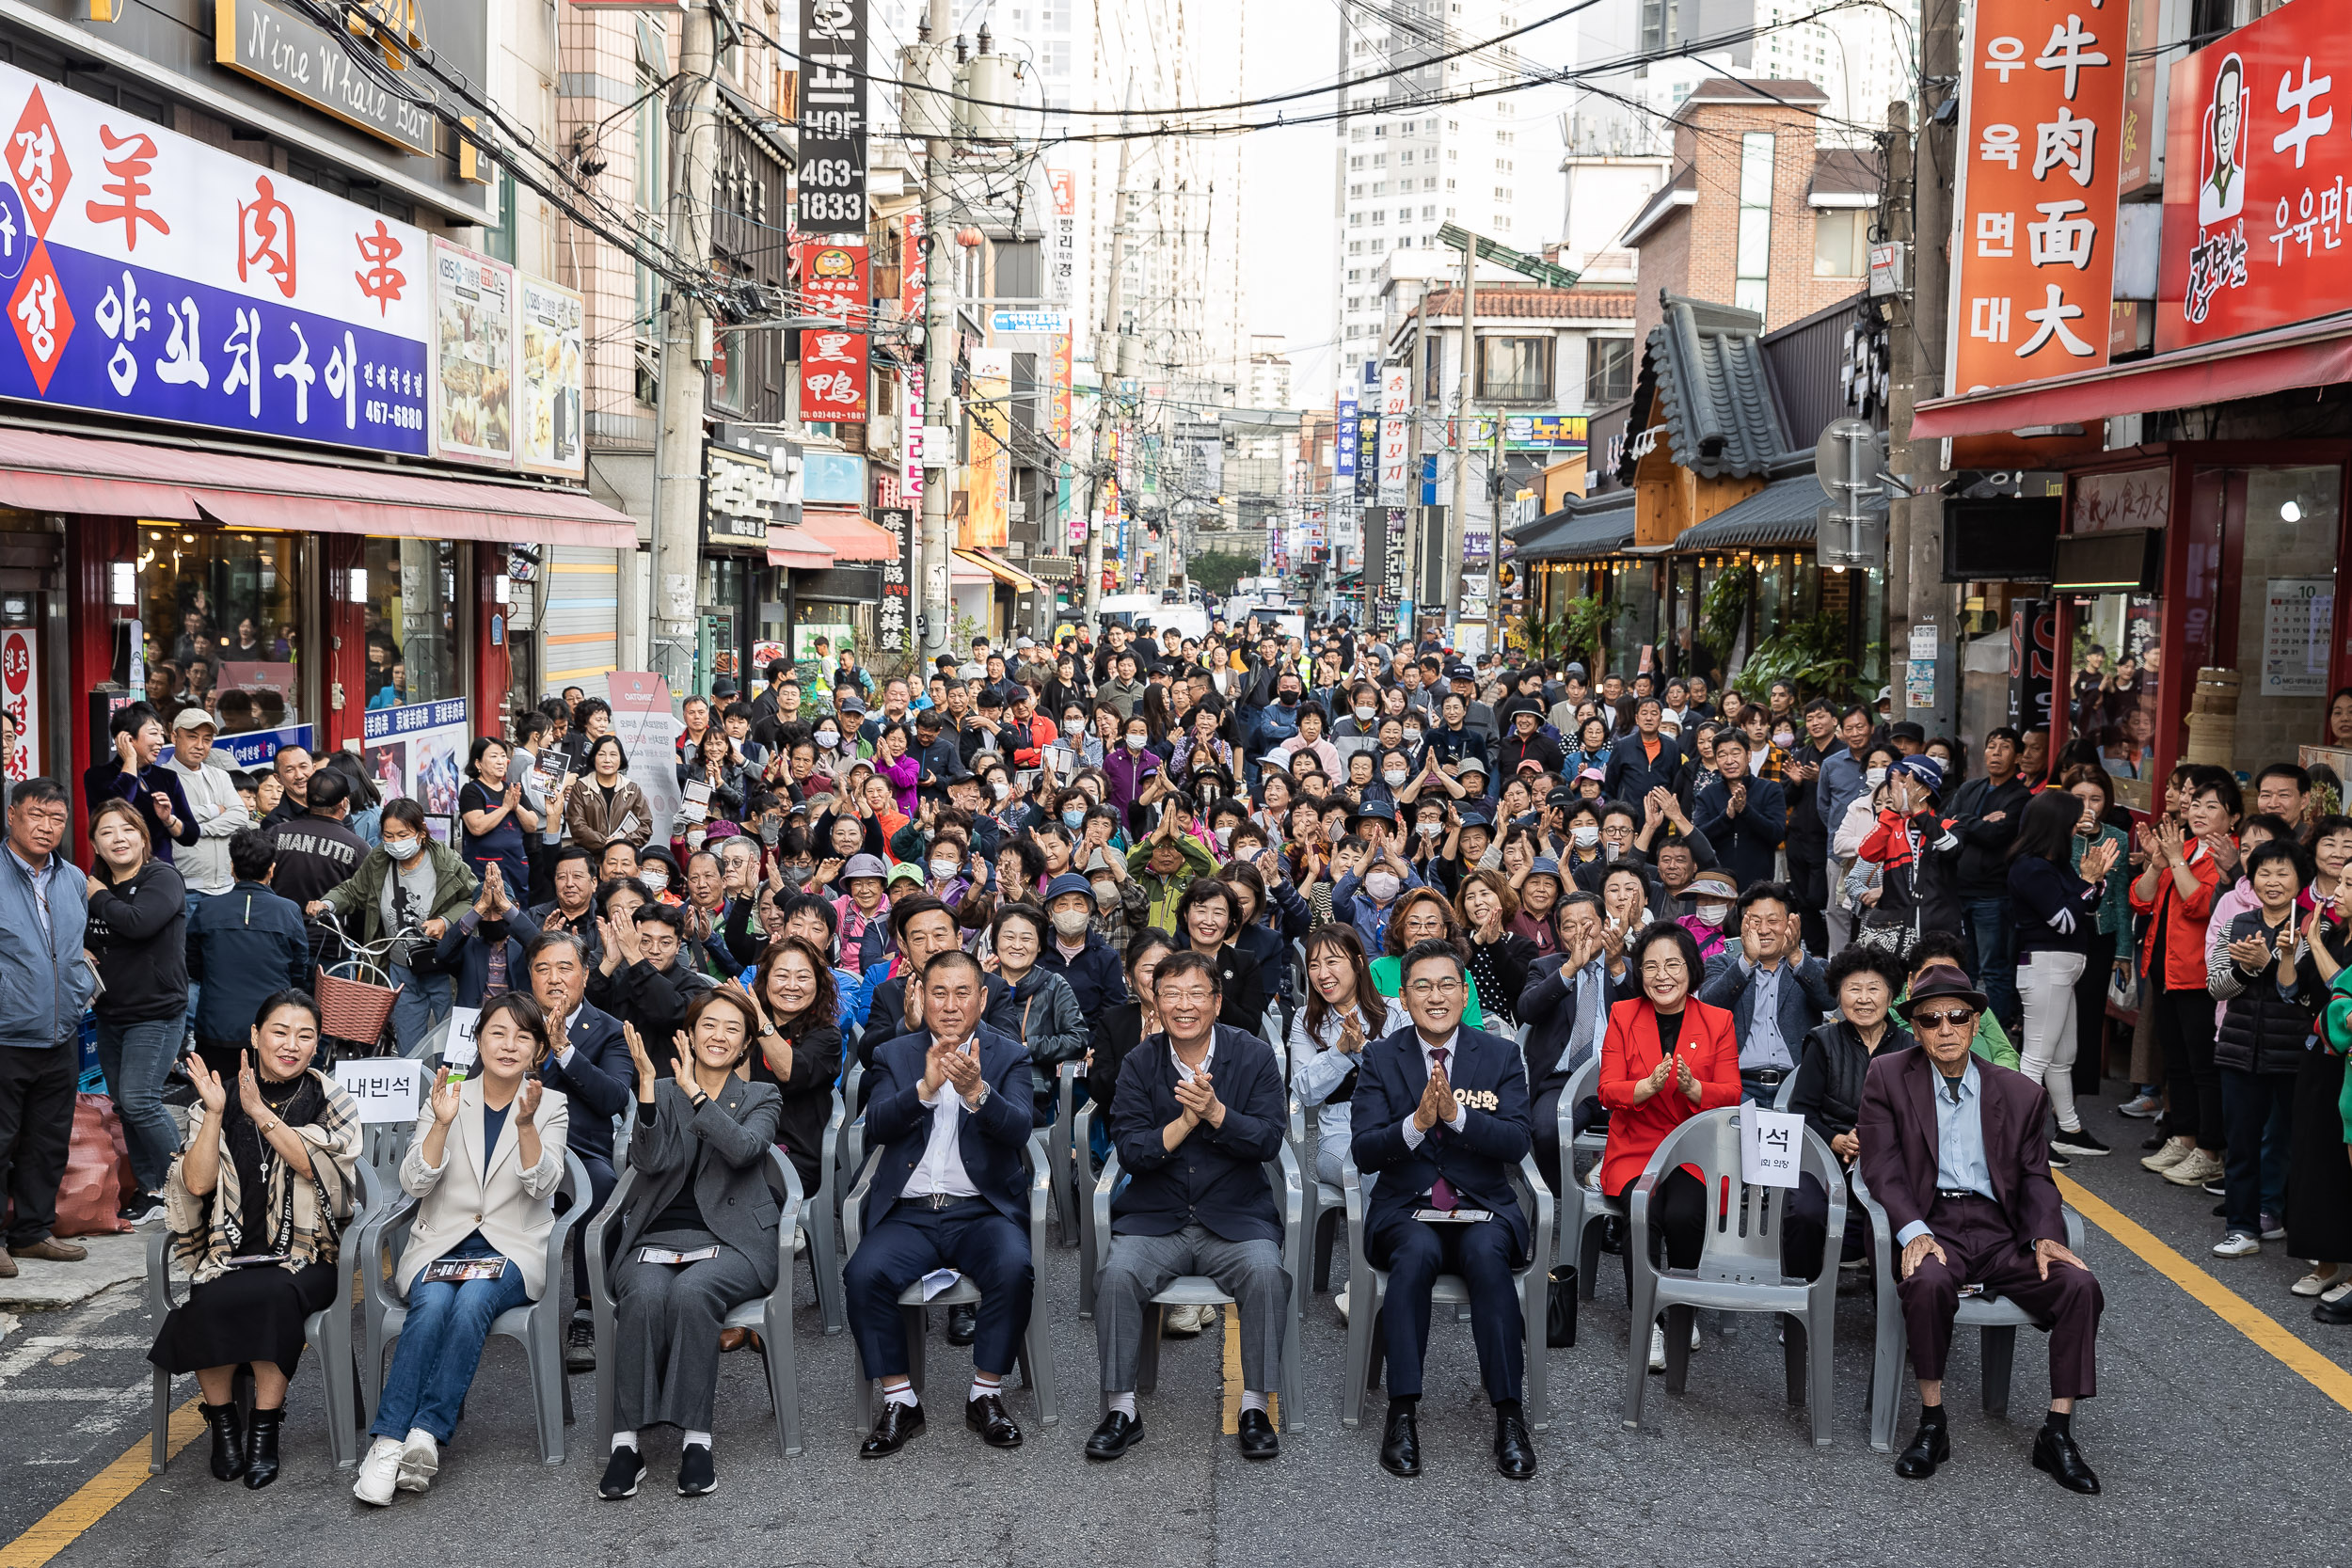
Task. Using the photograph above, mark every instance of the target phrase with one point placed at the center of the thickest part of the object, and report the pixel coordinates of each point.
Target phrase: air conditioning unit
(882, 433)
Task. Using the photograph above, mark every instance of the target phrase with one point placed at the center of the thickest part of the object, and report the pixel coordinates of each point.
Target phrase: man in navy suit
(1744, 818)
(1774, 993)
(591, 1066)
(1440, 1112)
(950, 1114)
(1199, 1110)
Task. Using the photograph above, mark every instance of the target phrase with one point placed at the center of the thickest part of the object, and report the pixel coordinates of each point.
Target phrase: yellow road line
(65, 1522)
(2231, 1307)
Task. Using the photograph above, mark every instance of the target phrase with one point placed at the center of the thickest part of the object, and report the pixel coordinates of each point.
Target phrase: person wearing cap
(1075, 950)
(863, 913)
(1539, 889)
(1366, 884)
(1915, 851)
(214, 804)
(1030, 732)
(1711, 895)
(1958, 1154)
(1477, 716)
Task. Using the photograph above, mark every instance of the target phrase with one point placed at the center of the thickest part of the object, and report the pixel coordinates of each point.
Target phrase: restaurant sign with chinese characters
(2257, 165)
(2033, 252)
(150, 277)
(832, 359)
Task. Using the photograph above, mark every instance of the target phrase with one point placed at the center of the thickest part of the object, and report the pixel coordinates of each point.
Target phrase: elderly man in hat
(1956, 1151)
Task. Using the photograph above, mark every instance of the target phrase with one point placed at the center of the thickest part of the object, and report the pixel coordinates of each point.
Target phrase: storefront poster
(552, 379)
(267, 693)
(474, 361)
(419, 750)
(151, 277)
(2298, 626)
(2256, 167)
(20, 694)
(648, 732)
(255, 749)
(763, 655)
(2033, 252)
(832, 359)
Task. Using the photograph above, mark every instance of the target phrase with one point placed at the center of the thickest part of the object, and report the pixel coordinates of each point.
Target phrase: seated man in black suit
(1441, 1113)
(591, 1067)
(1199, 1110)
(949, 1114)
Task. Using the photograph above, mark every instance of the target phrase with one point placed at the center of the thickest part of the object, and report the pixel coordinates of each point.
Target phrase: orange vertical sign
(2040, 142)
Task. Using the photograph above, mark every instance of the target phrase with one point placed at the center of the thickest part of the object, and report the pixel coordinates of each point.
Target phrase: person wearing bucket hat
(1712, 895)
(1958, 1154)
(1075, 951)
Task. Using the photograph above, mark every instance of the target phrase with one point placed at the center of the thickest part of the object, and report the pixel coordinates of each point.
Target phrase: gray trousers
(666, 1319)
(1140, 1267)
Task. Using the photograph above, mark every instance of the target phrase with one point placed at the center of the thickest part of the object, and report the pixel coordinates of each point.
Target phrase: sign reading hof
(833, 117)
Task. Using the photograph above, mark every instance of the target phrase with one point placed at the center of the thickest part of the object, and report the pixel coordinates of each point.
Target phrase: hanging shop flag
(1396, 399)
(833, 359)
(2041, 139)
(988, 476)
(832, 117)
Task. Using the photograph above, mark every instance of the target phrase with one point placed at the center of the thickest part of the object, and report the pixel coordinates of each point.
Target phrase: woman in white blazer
(485, 1166)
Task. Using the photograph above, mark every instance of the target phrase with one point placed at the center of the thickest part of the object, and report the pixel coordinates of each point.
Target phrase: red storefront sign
(833, 359)
(2041, 141)
(2258, 158)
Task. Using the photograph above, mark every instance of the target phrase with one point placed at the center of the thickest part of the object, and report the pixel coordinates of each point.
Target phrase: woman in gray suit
(698, 1239)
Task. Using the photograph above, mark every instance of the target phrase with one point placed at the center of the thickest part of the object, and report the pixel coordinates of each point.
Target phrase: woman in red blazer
(1667, 1058)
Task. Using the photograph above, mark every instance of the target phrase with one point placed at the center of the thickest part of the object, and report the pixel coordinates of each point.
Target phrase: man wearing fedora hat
(1954, 1149)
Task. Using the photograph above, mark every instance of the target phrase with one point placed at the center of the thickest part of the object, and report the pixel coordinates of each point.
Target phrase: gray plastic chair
(1583, 1213)
(1738, 1270)
(1367, 1287)
(326, 1332)
(1787, 1092)
(536, 1326)
(1064, 1153)
(1037, 1352)
(771, 1314)
(852, 1150)
(819, 1217)
(1997, 1319)
(1326, 1206)
(1195, 1290)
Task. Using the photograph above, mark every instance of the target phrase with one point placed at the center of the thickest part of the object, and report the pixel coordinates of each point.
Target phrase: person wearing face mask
(1366, 884)
(1711, 895)
(1075, 950)
(1363, 719)
(411, 883)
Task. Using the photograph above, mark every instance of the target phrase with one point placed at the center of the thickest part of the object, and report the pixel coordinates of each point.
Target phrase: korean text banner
(833, 359)
(151, 277)
(2033, 252)
(2257, 163)
(419, 750)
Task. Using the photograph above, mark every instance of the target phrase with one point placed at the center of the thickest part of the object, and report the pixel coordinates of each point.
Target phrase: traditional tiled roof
(1559, 304)
(1703, 379)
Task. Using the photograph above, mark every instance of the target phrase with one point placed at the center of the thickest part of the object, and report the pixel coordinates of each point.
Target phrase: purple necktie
(1440, 1190)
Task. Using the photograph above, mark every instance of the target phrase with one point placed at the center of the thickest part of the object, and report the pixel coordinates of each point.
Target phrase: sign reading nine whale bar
(268, 42)
(148, 276)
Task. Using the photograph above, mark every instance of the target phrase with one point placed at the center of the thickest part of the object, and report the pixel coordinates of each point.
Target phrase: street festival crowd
(1244, 887)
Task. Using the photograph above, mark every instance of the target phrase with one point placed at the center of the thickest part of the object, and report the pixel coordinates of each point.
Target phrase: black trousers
(1416, 1252)
(1678, 1223)
(1808, 872)
(2192, 1080)
(1804, 1228)
(2091, 1012)
(36, 1130)
(601, 1180)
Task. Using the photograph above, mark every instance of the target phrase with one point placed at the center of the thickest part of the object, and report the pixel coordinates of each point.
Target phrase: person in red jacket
(1666, 1058)
(2176, 889)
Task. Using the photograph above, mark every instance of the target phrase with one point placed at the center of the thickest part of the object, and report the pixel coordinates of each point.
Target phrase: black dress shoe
(1400, 1446)
(1931, 1446)
(227, 1428)
(261, 1447)
(1258, 1438)
(1118, 1432)
(1514, 1447)
(2054, 1451)
(964, 1323)
(893, 1429)
(2337, 1312)
(988, 1416)
(622, 1473)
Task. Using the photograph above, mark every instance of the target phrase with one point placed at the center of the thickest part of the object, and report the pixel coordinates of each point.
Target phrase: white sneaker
(380, 1473)
(2197, 1169)
(420, 1460)
(2172, 1153)
(1694, 1331)
(1657, 1348)
(2237, 1244)
(1592, 1177)
(1339, 1299)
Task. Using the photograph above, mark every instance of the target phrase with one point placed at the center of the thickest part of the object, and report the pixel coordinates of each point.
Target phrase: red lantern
(968, 236)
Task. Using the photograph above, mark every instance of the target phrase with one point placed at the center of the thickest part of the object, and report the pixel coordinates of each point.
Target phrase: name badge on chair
(1772, 1146)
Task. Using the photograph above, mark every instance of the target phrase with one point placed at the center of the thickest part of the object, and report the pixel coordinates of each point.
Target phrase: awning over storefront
(1594, 528)
(1785, 512)
(1000, 569)
(45, 471)
(796, 549)
(849, 536)
(2308, 354)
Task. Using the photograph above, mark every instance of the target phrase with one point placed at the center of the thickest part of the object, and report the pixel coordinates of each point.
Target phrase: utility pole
(1107, 366)
(1902, 353)
(1456, 536)
(939, 360)
(678, 434)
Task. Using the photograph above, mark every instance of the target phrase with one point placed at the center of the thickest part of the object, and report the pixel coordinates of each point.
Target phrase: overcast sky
(1286, 191)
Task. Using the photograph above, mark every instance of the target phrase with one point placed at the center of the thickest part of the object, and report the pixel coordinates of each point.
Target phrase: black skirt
(245, 1315)
(2319, 1174)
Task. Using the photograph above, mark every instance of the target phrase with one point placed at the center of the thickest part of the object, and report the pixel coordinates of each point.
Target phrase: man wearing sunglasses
(1955, 1150)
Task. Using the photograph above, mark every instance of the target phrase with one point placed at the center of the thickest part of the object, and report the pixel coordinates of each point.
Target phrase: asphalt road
(2213, 1449)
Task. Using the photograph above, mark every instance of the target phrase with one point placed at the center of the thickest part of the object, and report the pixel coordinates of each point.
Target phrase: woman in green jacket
(411, 883)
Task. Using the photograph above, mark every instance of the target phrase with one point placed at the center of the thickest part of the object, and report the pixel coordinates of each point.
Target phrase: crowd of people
(1414, 895)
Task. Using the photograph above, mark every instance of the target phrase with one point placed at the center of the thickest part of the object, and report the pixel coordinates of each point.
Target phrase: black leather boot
(260, 1448)
(228, 1439)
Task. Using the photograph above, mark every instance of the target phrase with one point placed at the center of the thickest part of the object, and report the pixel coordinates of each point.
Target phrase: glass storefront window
(2112, 695)
(412, 632)
(220, 609)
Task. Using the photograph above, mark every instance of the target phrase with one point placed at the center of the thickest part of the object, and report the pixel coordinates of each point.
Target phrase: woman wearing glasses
(1667, 1056)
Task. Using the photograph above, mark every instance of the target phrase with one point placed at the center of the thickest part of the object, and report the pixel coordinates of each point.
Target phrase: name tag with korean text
(385, 1088)
(1772, 1146)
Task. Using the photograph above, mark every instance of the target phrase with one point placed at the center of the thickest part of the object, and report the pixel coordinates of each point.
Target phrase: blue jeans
(440, 1345)
(1994, 938)
(136, 1059)
(423, 1001)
